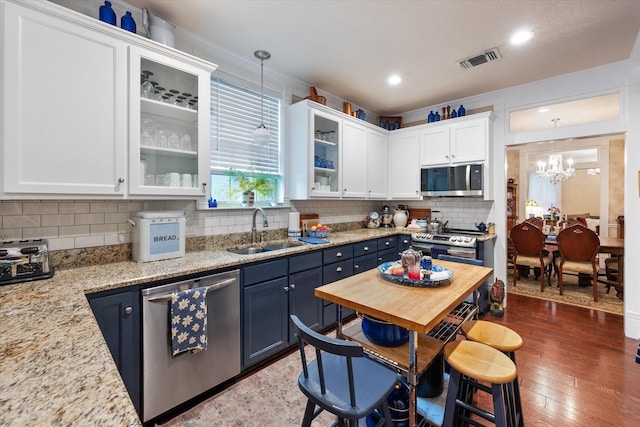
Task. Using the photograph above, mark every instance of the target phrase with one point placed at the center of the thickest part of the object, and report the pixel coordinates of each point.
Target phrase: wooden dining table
(418, 309)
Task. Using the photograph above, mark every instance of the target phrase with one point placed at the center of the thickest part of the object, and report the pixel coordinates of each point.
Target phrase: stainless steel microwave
(447, 181)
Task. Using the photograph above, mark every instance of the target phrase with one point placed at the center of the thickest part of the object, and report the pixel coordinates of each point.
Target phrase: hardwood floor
(576, 367)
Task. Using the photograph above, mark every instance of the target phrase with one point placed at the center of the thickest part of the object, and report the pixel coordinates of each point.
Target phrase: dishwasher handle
(219, 285)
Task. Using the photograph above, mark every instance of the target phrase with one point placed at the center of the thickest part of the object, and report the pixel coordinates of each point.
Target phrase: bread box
(158, 235)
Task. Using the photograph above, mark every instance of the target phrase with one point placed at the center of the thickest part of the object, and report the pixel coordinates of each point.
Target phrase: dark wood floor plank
(576, 367)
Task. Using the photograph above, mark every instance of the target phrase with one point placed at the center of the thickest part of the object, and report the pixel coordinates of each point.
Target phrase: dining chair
(341, 380)
(528, 241)
(579, 247)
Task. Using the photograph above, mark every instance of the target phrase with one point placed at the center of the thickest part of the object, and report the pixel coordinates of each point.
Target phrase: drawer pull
(366, 248)
(128, 310)
(339, 255)
(339, 269)
(387, 243)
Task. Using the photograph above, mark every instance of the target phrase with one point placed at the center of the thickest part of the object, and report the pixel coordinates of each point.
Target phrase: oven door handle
(219, 285)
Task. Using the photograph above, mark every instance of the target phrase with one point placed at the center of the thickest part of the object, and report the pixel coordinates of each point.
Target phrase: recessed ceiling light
(543, 110)
(522, 36)
(394, 80)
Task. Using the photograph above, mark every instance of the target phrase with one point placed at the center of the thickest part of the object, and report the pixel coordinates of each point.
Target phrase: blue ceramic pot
(384, 333)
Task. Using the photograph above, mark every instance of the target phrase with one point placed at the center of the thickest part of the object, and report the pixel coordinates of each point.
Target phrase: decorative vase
(127, 22)
(248, 198)
(400, 218)
(107, 14)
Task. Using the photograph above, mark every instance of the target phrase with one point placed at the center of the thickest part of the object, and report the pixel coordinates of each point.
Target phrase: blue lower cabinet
(302, 300)
(364, 263)
(404, 241)
(118, 316)
(265, 320)
(388, 255)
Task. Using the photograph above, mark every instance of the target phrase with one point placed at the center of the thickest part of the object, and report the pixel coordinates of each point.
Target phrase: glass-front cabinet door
(169, 125)
(326, 155)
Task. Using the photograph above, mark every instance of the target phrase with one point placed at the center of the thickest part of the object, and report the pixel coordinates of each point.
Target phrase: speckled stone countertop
(56, 369)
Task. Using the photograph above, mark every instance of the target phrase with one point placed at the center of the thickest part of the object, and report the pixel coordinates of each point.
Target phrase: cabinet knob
(339, 269)
(293, 286)
(286, 289)
(120, 180)
(313, 188)
(366, 248)
(204, 187)
(356, 266)
(405, 241)
(379, 258)
(453, 156)
(345, 190)
(128, 310)
(339, 255)
(387, 243)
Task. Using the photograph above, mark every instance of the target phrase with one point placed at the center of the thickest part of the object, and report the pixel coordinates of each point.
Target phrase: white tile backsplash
(73, 224)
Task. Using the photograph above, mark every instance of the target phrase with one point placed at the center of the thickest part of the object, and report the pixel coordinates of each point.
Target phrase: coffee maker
(387, 217)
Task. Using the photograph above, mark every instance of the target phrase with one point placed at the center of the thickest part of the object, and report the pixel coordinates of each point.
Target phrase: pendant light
(261, 134)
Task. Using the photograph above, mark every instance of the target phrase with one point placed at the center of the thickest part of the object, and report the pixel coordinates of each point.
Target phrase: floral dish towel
(188, 320)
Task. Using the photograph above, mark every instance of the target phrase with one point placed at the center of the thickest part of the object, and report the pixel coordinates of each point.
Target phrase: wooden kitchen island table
(418, 309)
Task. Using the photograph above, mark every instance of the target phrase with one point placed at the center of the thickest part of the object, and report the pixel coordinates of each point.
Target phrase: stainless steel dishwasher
(169, 381)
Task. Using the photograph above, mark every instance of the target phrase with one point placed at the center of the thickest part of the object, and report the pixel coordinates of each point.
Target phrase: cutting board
(418, 213)
(307, 220)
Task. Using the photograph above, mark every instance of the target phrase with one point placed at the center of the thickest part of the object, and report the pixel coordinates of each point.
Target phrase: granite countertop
(55, 367)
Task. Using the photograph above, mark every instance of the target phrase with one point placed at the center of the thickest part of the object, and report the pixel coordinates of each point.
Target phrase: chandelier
(553, 169)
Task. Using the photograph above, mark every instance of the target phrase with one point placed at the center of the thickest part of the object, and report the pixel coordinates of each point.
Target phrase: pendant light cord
(262, 55)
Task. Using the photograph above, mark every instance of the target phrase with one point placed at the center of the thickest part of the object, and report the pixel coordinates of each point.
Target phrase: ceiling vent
(488, 56)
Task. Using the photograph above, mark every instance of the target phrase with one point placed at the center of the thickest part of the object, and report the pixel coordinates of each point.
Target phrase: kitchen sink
(265, 248)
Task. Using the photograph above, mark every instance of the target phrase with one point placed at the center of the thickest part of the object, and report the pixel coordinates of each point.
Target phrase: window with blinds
(235, 158)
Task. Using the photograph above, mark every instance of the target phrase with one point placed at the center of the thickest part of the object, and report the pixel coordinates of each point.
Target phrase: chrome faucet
(265, 223)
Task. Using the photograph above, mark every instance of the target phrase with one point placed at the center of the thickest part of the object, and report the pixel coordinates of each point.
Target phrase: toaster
(24, 260)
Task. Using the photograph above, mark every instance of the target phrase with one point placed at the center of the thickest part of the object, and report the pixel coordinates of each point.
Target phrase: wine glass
(146, 88)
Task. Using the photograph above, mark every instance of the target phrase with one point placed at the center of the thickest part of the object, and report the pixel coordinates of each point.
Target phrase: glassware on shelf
(146, 88)
(147, 132)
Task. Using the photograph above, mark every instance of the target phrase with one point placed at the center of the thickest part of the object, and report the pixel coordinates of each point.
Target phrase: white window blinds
(235, 114)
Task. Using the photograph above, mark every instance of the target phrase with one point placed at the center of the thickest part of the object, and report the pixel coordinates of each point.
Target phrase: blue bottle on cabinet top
(454, 114)
(431, 117)
(437, 117)
(107, 14)
(461, 111)
(127, 22)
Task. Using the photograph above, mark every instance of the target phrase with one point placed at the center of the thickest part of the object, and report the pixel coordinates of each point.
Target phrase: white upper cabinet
(354, 168)
(72, 110)
(404, 164)
(64, 107)
(169, 132)
(455, 141)
(377, 164)
(331, 155)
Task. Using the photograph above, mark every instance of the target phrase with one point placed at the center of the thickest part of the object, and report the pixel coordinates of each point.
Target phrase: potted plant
(249, 186)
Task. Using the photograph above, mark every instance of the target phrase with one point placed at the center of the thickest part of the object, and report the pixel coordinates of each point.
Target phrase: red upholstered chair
(579, 247)
(528, 241)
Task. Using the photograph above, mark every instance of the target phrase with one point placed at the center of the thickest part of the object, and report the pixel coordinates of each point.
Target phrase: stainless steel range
(461, 243)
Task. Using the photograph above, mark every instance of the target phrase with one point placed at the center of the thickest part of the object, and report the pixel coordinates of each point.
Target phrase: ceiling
(349, 48)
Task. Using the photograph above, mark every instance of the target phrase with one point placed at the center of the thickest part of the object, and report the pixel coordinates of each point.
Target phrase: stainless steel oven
(169, 381)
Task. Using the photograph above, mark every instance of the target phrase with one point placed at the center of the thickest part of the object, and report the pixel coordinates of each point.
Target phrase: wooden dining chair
(528, 241)
(579, 247)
